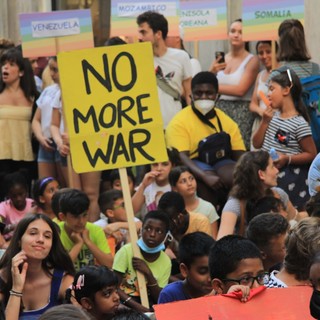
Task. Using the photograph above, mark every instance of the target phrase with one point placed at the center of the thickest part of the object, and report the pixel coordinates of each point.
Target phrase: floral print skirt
(238, 111)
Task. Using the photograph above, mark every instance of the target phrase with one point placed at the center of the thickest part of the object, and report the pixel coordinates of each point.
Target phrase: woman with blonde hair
(302, 243)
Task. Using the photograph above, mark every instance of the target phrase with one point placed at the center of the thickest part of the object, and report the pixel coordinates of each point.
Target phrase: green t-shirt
(161, 269)
(85, 256)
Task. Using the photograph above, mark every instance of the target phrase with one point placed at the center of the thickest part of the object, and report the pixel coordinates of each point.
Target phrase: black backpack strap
(206, 120)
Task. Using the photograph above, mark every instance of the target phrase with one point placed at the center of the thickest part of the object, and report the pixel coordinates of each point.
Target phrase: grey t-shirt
(233, 204)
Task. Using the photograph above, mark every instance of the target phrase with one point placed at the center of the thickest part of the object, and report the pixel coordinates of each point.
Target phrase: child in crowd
(285, 127)
(194, 267)
(272, 203)
(85, 241)
(314, 276)
(155, 183)
(115, 223)
(115, 183)
(235, 264)
(183, 181)
(182, 222)
(268, 231)
(155, 265)
(95, 288)
(18, 203)
(115, 180)
(55, 202)
(265, 204)
(43, 191)
(257, 105)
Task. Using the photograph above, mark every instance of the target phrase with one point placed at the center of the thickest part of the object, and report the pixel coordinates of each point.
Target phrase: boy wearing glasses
(235, 264)
(114, 218)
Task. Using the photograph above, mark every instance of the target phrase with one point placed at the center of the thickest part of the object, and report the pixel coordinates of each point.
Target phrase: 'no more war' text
(113, 122)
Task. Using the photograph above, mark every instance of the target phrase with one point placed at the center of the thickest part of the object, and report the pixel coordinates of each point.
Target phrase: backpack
(311, 99)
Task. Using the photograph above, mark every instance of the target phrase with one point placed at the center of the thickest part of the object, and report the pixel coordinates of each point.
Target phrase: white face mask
(204, 106)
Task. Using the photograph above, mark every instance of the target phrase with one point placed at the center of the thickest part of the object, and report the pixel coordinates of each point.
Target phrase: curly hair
(156, 21)
(246, 181)
(302, 243)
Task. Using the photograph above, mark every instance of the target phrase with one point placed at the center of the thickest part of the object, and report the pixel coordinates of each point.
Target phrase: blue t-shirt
(173, 292)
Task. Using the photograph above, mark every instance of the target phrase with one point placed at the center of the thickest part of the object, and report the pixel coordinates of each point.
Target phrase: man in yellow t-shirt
(187, 129)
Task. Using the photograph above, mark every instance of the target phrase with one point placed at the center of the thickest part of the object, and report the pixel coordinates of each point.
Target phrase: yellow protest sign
(111, 106)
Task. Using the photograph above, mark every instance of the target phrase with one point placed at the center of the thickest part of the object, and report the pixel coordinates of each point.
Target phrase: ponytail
(281, 76)
(302, 109)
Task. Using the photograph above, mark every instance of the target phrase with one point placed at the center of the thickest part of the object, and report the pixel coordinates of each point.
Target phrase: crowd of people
(235, 207)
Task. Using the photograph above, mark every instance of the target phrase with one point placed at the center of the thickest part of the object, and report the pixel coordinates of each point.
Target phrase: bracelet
(15, 293)
(289, 161)
(152, 285)
(127, 300)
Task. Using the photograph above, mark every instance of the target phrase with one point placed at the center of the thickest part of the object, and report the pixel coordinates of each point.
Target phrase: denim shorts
(206, 167)
(48, 156)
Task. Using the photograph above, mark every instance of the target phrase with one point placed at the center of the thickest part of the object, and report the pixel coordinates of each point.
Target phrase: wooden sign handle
(133, 234)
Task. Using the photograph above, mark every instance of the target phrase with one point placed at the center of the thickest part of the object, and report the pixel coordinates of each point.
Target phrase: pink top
(10, 215)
